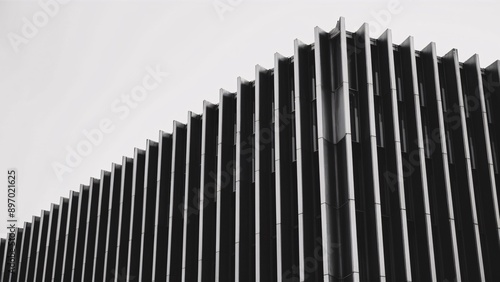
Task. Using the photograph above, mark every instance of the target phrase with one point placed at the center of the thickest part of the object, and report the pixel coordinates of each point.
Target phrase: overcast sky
(69, 69)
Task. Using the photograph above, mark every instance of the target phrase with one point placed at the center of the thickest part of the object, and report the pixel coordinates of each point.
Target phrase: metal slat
(487, 203)
(244, 189)
(21, 270)
(50, 243)
(174, 249)
(363, 33)
(111, 234)
(85, 206)
(148, 210)
(120, 265)
(386, 43)
(453, 57)
(159, 262)
(19, 239)
(225, 217)
(190, 207)
(136, 214)
(265, 191)
(69, 237)
(206, 238)
(95, 260)
(409, 45)
(33, 243)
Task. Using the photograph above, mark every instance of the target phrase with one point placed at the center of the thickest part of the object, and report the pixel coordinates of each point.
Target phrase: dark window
(352, 61)
(421, 92)
(427, 140)
(376, 70)
(272, 160)
(313, 83)
(335, 58)
(314, 127)
(443, 98)
(234, 169)
(353, 99)
(253, 162)
(421, 82)
(294, 145)
(472, 153)
(442, 82)
(494, 155)
(450, 147)
(404, 133)
(464, 92)
(466, 104)
(488, 110)
(273, 113)
(379, 111)
(399, 89)
(399, 85)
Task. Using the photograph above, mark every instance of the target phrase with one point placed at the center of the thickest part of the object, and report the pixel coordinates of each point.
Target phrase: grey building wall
(356, 159)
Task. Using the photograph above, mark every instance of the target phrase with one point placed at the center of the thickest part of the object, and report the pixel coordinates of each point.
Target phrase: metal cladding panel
(335, 101)
(99, 252)
(97, 240)
(137, 196)
(41, 245)
(84, 203)
(442, 170)
(122, 246)
(461, 173)
(287, 252)
(365, 159)
(23, 253)
(69, 238)
(308, 192)
(6, 255)
(176, 213)
(208, 194)
(48, 256)
(92, 224)
(491, 85)
(31, 255)
(483, 172)
(264, 176)
(159, 261)
(225, 202)
(145, 258)
(111, 236)
(190, 207)
(355, 159)
(3, 252)
(391, 101)
(244, 180)
(54, 259)
(12, 276)
(421, 242)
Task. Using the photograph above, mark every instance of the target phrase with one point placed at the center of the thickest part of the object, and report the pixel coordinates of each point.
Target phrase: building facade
(355, 159)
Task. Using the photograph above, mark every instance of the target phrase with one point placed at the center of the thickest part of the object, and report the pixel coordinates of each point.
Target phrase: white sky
(66, 77)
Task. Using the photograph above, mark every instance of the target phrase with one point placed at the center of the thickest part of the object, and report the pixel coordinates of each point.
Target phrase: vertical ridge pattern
(353, 160)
